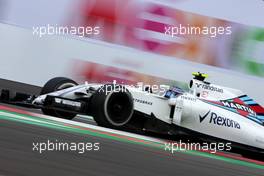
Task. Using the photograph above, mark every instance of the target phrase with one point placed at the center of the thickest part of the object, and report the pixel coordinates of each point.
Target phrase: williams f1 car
(208, 111)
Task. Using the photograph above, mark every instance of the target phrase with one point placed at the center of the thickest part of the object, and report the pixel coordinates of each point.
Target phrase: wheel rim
(118, 108)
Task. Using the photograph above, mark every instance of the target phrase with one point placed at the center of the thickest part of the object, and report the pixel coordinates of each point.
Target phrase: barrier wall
(33, 60)
(140, 24)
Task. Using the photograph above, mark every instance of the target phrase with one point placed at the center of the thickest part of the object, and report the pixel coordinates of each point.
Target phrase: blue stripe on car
(250, 102)
(246, 98)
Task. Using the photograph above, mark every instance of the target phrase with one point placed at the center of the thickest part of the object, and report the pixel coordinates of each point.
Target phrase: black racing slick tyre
(112, 106)
(56, 84)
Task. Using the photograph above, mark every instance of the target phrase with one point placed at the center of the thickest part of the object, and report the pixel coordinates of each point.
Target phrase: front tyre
(112, 106)
(53, 85)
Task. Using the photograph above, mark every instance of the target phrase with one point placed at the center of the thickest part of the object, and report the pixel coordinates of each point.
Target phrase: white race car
(207, 111)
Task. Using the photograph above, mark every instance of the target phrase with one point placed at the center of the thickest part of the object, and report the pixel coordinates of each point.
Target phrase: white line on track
(80, 124)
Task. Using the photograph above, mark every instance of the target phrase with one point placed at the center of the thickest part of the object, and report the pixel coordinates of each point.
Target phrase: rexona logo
(219, 120)
(209, 87)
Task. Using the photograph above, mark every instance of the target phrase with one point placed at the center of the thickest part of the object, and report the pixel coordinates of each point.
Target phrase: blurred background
(132, 46)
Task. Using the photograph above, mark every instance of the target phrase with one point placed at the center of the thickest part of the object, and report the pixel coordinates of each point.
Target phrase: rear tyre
(112, 106)
(53, 85)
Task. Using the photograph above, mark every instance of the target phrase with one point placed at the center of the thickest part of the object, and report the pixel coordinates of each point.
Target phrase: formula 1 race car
(207, 111)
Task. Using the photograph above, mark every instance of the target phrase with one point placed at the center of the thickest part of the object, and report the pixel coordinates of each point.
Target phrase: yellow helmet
(199, 76)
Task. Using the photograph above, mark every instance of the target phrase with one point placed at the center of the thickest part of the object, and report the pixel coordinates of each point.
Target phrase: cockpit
(173, 92)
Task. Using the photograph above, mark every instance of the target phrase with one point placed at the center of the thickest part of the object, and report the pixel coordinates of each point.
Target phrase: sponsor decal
(204, 94)
(243, 106)
(209, 87)
(188, 98)
(203, 117)
(238, 107)
(142, 101)
(68, 102)
(220, 120)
